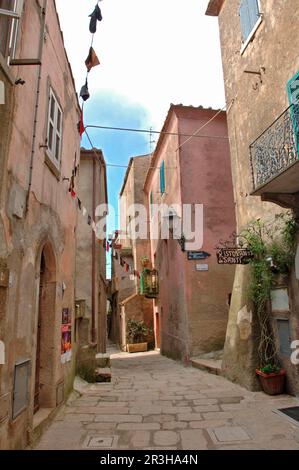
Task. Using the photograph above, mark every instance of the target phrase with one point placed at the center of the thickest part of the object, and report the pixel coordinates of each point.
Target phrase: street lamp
(174, 223)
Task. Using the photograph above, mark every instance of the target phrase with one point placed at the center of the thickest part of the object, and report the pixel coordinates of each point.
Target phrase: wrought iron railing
(276, 149)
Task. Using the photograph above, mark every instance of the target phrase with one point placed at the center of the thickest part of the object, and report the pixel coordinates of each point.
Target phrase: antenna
(151, 141)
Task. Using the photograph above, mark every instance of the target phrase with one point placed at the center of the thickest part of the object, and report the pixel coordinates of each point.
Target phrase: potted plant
(137, 333)
(273, 246)
(272, 379)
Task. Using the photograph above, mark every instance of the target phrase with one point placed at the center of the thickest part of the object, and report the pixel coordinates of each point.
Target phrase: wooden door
(38, 339)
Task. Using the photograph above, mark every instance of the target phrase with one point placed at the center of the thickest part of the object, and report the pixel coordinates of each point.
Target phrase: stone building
(192, 307)
(39, 150)
(259, 44)
(91, 289)
(126, 299)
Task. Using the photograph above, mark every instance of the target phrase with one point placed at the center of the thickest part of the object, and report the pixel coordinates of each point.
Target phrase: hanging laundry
(79, 204)
(92, 60)
(84, 93)
(72, 184)
(95, 16)
(89, 220)
(81, 127)
(73, 194)
(84, 212)
(107, 247)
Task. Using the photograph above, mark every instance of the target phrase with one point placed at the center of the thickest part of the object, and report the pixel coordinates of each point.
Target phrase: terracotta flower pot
(136, 347)
(274, 383)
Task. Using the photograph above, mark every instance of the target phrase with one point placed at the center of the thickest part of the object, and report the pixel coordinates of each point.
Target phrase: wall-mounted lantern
(175, 228)
(149, 283)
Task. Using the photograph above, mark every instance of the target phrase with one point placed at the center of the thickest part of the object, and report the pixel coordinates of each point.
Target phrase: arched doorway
(44, 386)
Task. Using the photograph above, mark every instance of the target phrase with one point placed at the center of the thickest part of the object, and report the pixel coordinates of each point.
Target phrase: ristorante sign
(234, 255)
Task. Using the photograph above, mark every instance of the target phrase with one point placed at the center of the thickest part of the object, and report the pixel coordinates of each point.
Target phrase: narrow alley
(154, 403)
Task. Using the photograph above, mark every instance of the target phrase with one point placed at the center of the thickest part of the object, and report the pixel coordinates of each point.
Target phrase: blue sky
(118, 147)
(152, 53)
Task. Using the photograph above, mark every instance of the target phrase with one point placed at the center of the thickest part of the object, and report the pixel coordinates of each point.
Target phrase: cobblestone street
(154, 403)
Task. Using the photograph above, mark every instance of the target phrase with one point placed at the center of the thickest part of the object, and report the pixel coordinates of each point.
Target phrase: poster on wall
(66, 336)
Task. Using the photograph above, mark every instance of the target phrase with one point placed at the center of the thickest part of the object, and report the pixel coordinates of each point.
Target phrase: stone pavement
(154, 403)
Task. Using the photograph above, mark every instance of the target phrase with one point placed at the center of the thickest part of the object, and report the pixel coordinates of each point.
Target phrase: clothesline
(147, 131)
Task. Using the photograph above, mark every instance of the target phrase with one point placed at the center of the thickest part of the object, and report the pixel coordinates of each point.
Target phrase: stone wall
(254, 101)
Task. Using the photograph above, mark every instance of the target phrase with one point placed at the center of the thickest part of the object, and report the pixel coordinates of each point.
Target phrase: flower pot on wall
(136, 347)
(274, 383)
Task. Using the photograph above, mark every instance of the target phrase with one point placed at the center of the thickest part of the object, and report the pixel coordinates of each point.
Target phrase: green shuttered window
(249, 14)
(162, 178)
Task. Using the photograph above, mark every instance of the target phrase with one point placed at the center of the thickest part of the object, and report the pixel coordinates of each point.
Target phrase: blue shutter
(254, 12)
(162, 178)
(245, 19)
(293, 89)
(293, 94)
(249, 14)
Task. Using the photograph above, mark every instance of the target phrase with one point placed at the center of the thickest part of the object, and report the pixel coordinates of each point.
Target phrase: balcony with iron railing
(274, 156)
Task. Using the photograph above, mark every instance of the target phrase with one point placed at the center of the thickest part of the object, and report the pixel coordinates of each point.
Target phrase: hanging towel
(81, 128)
(95, 16)
(92, 60)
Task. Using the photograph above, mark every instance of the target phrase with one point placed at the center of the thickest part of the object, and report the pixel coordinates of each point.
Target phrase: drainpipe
(93, 267)
(39, 74)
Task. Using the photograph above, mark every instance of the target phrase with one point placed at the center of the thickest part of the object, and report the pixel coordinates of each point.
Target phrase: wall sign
(234, 256)
(202, 267)
(198, 255)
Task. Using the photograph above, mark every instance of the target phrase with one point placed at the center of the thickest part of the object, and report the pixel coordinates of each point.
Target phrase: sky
(152, 53)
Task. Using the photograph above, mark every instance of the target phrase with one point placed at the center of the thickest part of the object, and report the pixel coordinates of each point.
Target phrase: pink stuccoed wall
(49, 225)
(193, 305)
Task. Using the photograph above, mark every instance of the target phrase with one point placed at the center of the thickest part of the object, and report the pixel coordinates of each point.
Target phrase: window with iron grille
(10, 14)
(54, 132)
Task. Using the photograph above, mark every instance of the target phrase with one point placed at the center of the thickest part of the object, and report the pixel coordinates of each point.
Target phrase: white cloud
(153, 52)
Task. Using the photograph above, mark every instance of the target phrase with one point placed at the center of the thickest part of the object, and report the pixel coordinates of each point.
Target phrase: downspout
(93, 267)
(39, 74)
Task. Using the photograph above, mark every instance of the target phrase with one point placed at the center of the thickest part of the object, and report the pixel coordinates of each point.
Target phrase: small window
(151, 203)
(54, 132)
(162, 178)
(21, 388)
(284, 335)
(249, 15)
(10, 14)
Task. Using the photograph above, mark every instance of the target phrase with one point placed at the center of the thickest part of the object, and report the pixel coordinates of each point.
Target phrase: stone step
(103, 360)
(103, 374)
(212, 366)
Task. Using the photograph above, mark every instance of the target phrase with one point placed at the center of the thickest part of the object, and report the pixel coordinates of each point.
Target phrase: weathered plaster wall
(206, 179)
(128, 287)
(256, 104)
(193, 313)
(84, 234)
(50, 220)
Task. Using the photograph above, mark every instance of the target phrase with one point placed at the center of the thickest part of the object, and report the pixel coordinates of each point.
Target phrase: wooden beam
(25, 62)
(214, 7)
